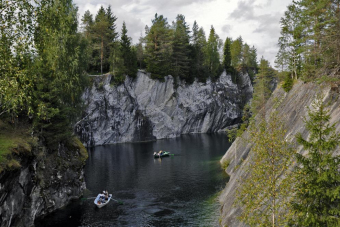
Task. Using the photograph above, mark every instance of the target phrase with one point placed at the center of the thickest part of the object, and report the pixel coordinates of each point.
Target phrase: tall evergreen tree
(140, 52)
(158, 48)
(236, 52)
(309, 38)
(252, 63)
(101, 34)
(227, 56)
(198, 46)
(126, 61)
(212, 53)
(87, 23)
(112, 36)
(180, 49)
(317, 199)
(262, 87)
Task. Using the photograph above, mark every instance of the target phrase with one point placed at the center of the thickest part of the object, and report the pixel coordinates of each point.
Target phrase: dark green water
(180, 190)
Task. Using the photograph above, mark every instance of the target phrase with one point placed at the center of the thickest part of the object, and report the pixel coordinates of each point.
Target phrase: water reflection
(172, 191)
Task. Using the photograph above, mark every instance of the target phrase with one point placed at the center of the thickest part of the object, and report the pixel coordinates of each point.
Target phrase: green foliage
(212, 60)
(125, 61)
(227, 55)
(198, 46)
(101, 34)
(310, 40)
(243, 59)
(262, 87)
(263, 192)
(225, 164)
(317, 198)
(59, 70)
(12, 142)
(140, 53)
(236, 52)
(181, 49)
(43, 59)
(16, 32)
(288, 83)
(158, 48)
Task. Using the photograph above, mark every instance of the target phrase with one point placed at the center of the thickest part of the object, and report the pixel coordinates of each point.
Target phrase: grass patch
(12, 143)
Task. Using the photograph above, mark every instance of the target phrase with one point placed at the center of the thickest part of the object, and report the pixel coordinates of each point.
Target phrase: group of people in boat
(104, 197)
(159, 153)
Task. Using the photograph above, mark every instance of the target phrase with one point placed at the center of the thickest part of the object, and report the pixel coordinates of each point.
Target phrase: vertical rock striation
(144, 109)
(292, 107)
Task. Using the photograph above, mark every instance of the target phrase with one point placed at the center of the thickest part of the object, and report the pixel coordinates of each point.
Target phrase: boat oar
(88, 198)
(120, 202)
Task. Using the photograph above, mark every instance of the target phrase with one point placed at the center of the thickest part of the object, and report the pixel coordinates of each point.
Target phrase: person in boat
(154, 153)
(106, 195)
(160, 153)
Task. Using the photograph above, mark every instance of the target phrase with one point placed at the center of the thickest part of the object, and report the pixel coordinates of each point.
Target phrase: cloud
(174, 3)
(244, 11)
(257, 21)
(226, 28)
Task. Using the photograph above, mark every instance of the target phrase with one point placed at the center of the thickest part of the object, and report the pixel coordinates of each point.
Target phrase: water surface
(179, 190)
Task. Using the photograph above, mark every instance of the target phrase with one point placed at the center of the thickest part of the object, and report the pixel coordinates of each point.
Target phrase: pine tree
(227, 56)
(180, 49)
(236, 52)
(252, 68)
(262, 87)
(126, 60)
(158, 48)
(198, 46)
(112, 36)
(140, 52)
(317, 198)
(291, 42)
(101, 34)
(263, 193)
(212, 53)
(87, 23)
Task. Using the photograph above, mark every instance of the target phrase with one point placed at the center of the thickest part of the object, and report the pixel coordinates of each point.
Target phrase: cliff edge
(292, 107)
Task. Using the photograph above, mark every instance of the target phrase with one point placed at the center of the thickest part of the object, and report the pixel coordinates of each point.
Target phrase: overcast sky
(257, 21)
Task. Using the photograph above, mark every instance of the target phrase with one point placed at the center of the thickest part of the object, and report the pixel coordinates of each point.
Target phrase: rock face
(45, 182)
(292, 107)
(144, 109)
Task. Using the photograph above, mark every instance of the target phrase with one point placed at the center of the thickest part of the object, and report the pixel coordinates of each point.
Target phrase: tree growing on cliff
(101, 35)
(262, 90)
(16, 44)
(227, 56)
(263, 192)
(125, 60)
(181, 49)
(317, 198)
(212, 60)
(158, 49)
(59, 70)
(198, 45)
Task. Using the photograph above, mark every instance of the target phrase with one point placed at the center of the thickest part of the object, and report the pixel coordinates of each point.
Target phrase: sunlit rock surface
(292, 108)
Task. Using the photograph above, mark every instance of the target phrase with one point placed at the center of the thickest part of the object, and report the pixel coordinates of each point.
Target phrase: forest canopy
(47, 53)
